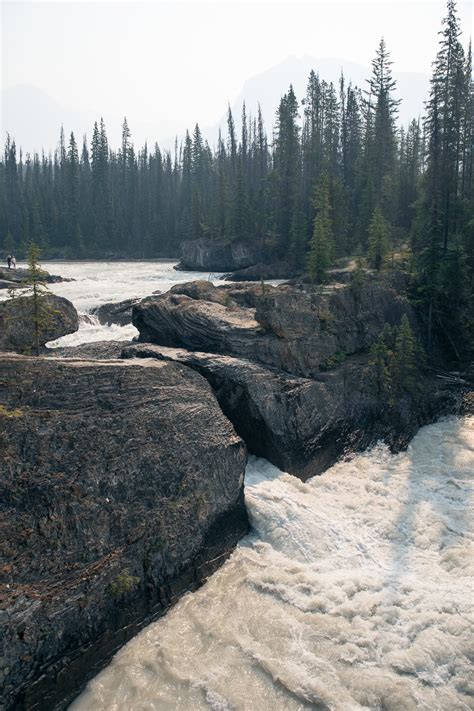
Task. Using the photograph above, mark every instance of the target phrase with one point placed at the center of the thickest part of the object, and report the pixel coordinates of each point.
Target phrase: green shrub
(123, 583)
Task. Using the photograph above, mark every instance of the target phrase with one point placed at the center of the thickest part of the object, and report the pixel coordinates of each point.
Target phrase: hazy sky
(182, 61)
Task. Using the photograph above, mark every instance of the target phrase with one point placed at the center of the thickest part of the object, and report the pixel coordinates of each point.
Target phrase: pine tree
(33, 297)
(404, 367)
(378, 240)
(73, 196)
(321, 243)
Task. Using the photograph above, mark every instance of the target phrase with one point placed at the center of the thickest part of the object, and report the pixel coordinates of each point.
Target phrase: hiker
(13, 262)
(9, 261)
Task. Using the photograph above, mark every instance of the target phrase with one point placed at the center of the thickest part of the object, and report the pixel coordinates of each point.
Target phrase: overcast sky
(183, 61)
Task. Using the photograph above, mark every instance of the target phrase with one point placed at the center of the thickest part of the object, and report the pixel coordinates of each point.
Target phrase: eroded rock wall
(122, 487)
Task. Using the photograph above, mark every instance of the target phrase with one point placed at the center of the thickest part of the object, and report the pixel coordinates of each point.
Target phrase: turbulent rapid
(97, 283)
(353, 591)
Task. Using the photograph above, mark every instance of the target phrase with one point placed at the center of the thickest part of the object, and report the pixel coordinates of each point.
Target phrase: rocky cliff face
(17, 324)
(122, 487)
(291, 368)
(294, 330)
(215, 256)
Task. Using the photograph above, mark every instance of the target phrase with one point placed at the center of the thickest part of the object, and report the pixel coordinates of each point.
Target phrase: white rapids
(353, 591)
(98, 282)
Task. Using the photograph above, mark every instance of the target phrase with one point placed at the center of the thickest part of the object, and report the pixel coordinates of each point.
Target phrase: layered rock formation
(17, 322)
(212, 255)
(122, 487)
(294, 330)
(290, 370)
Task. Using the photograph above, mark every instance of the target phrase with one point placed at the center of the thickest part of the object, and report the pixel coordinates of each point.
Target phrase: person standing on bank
(9, 261)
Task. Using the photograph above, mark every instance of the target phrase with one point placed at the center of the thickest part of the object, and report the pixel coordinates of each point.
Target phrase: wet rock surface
(119, 313)
(122, 487)
(17, 322)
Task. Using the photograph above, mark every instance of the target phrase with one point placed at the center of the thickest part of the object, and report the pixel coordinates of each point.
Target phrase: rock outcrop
(17, 322)
(10, 278)
(119, 313)
(291, 369)
(96, 350)
(215, 256)
(257, 272)
(297, 331)
(304, 425)
(122, 487)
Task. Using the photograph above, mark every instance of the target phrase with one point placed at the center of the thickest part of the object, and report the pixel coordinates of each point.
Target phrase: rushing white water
(354, 591)
(97, 283)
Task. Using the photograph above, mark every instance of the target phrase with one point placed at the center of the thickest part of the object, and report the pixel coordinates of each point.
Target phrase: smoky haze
(167, 66)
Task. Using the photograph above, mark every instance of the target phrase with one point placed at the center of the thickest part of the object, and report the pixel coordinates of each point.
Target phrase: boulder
(217, 256)
(257, 272)
(296, 330)
(119, 312)
(122, 488)
(17, 322)
(304, 425)
(16, 276)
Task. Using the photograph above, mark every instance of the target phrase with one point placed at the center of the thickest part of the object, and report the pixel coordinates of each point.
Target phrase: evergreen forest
(336, 177)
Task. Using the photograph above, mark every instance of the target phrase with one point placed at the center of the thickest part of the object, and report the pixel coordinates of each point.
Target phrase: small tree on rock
(33, 294)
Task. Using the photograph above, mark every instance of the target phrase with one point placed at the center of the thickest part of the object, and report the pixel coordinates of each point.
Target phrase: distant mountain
(268, 87)
(34, 119)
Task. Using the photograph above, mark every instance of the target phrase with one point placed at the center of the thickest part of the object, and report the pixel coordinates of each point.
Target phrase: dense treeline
(95, 200)
(338, 177)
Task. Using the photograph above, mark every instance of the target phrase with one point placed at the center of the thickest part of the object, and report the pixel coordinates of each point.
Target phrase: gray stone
(17, 322)
(122, 487)
(216, 256)
(18, 275)
(119, 312)
(295, 330)
(304, 425)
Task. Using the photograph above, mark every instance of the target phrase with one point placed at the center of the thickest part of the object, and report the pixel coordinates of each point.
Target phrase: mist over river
(354, 590)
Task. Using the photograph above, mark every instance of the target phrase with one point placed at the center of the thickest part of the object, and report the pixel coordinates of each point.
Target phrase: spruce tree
(73, 196)
(321, 243)
(378, 240)
(404, 366)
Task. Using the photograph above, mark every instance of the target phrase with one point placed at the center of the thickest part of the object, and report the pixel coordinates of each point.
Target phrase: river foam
(354, 591)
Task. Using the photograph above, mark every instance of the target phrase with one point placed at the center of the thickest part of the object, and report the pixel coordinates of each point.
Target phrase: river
(354, 590)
